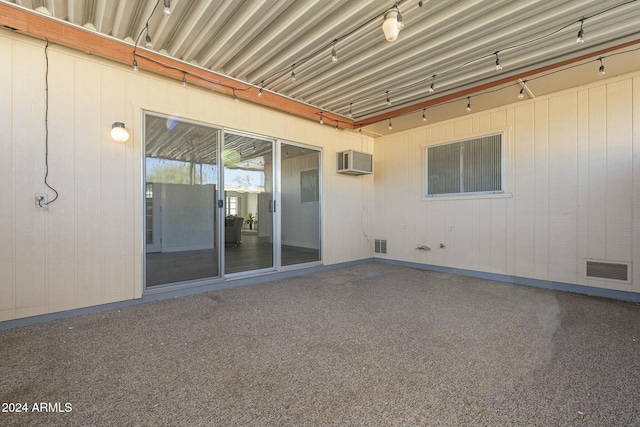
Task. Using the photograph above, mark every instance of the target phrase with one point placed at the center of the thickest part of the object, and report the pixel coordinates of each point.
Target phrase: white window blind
(470, 166)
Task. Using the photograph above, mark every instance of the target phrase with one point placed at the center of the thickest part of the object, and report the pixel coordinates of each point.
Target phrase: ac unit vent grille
(380, 246)
(608, 270)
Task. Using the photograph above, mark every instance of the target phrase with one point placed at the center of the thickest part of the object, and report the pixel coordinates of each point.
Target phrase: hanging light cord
(491, 55)
(46, 129)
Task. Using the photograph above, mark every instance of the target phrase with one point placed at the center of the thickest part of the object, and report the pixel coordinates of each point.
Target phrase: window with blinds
(462, 167)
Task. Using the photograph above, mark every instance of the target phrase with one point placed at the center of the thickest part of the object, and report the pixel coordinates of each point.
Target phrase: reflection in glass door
(249, 203)
(181, 179)
(300, 204)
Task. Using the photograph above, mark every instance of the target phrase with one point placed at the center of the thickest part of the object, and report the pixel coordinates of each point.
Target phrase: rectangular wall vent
(380, 246)
(608, 270)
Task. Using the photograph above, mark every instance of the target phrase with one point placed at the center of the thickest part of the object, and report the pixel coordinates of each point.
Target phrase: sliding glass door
(249, 200)
(258, 212)
(181, 188)
(300, 204)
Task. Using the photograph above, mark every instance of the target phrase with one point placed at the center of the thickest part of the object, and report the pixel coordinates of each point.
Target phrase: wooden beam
(472, 90)
(43, 27)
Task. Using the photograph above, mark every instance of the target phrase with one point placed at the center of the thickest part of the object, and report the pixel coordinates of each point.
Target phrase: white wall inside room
(87, 248)
(570, 189)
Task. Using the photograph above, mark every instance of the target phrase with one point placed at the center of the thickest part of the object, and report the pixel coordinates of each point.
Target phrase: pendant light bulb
(390, 126)
(424, 115)
(321, 118)
(432, 88)
(580, 38)
(601, 69)
(184, 80)
(388, 99)
(135, 66)
(148, 43)
(167, 7)
(235, 97)
(390, 25)
(498, 66)
(468, 104)
(293, 73)
(350, 113)
(261, 87)
(521, 94)
(334, 54)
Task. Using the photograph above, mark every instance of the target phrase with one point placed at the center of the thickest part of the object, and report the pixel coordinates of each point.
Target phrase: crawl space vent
(380, 246)
(608, 270)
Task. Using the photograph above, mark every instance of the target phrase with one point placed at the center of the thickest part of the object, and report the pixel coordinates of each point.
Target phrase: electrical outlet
(41, 201)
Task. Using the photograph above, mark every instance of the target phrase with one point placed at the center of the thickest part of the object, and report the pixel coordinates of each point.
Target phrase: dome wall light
(392, 24)
(167, 7)
(118, 132)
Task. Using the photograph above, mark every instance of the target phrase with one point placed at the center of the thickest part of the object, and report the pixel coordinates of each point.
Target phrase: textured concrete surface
(369, 345)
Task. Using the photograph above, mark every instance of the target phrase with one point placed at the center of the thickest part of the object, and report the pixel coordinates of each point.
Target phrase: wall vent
(619, 271)
(380, 246)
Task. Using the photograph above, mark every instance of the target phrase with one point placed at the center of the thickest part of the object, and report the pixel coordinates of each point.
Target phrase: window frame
(471, 194)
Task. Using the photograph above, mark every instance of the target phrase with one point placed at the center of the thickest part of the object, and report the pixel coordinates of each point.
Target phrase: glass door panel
(300, 204)
(248, 196)
(181, 180)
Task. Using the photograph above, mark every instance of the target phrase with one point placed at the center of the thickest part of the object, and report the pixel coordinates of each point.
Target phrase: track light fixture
(498, 66)
(601, 69)
(580, 38)
(468, 104)
(388, 100)
(334, 54)
(293, 73)
(424, 115)
(167, 7)
(321, 118)
(350, 113)
(392, 24)
(432, 88)
(390, 126)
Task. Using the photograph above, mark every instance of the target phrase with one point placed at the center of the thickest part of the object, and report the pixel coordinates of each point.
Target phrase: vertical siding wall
(572, 183)
(86, 249)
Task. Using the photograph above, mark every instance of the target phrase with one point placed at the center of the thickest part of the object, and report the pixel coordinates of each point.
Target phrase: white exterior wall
(86, 249)
(572, 189)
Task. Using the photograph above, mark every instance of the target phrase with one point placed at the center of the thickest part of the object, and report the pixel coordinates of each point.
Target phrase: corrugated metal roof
(260, 40)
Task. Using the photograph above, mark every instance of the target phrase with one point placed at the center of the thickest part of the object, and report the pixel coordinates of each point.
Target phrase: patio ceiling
(258, 43)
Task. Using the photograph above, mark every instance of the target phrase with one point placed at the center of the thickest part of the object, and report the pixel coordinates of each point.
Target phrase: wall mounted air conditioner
(355, 163)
